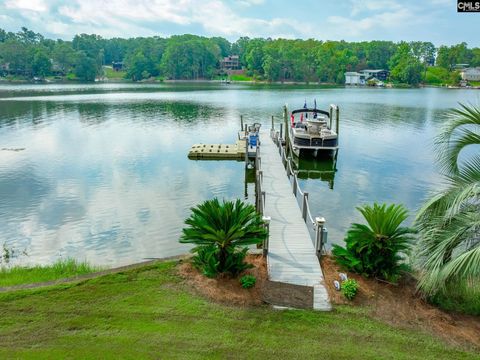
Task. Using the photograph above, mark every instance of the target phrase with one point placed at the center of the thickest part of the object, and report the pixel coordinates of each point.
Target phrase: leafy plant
(349, 288)
(206, 260)
(248, 281)
(449, 223)
(219, 230)
(376, 249)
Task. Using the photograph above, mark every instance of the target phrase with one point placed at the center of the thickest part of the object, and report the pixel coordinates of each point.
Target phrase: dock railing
(260, 196)
(316, 226)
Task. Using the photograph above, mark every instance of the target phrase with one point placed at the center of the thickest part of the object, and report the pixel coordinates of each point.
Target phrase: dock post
(273, 126)
(281, 134)
(337, 120)
(331, 114)
(257, 190)
(320, 223)
(246, 152)
(241, 122)
(304, 206)
(295, 183)
(266, 220)
(285, 120)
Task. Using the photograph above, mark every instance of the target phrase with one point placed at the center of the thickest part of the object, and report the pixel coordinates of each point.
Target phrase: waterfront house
(231, 62)
(117, 66)
(470, 74)
(354, 78)
(380, 74)
(363, 77)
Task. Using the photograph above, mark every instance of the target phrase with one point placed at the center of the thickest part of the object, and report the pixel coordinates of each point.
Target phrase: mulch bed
(400, 305)
(225, 289)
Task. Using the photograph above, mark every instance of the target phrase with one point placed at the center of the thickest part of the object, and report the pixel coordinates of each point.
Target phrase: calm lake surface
(101, 171)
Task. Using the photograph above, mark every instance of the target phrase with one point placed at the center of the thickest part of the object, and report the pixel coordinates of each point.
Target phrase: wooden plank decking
(291, 255)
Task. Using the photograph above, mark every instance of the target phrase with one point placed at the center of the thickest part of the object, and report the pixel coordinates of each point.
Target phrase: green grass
(111, 74)
(240, 77)
(439, 76)
(460, 298)
(150, 313)
(27, 275)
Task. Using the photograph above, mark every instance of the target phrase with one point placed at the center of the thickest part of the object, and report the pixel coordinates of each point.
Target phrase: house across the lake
(381, 74)
(354, 78)
(117, 66)
(470, 74)
(364, 76)
(231, 62)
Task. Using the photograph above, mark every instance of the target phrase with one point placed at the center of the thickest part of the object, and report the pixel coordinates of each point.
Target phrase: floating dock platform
(218, 151)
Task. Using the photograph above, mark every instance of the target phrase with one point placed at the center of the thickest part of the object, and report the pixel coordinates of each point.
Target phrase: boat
(311, 131)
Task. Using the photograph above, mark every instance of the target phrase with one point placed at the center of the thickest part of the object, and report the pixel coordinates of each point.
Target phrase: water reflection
(105, 175)
(316, 168)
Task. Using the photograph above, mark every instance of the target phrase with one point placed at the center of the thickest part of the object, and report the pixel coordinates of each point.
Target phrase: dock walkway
(291, 255)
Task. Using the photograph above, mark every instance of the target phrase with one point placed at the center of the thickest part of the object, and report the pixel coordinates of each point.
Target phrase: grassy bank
(439, 76)
(18, 275)
(112, 74)
(150, 313)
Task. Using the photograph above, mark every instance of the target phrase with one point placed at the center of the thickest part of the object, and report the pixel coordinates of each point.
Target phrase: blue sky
(351, 20)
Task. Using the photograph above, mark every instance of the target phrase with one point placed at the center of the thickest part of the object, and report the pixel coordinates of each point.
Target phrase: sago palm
(449, 223)
(220, 228)
(377, 249)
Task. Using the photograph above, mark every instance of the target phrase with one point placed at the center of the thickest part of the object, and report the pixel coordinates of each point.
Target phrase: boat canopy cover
(304, 110)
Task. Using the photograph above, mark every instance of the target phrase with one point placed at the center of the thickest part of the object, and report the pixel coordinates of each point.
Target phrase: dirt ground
(400, 305)
(225, 289)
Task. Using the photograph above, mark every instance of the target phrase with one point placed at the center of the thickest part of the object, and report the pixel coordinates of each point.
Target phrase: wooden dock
(291, 257)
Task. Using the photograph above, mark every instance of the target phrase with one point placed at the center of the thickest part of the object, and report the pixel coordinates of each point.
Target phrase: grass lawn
(240, 77)
(27, 275)
(111, 74)
(149, 313)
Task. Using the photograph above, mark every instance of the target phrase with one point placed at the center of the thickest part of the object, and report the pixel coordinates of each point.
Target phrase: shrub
(221, 231)
(448, 250)
(349, 288)
(375, 249)
(248, 281)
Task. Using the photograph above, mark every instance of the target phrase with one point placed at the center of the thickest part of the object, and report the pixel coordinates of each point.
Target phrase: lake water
(102, 174)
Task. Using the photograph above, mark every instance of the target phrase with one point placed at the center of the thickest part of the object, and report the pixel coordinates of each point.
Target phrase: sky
(351, 20)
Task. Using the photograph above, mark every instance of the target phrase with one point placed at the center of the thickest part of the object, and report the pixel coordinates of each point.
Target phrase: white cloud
(251, 2)
(214, 16)
(32, 5)
(385, 21)
(359, 6)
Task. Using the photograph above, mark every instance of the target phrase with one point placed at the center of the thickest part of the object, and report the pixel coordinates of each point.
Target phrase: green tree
(449, 223)
(64, 55)
(376, 249)
(405, 67)
(17, 55)
(41, 66)
(221, 228)
(137, 67)
(190, 57)
(85, 67)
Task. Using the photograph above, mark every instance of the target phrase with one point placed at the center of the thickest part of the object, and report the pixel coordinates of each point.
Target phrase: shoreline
(233, 82)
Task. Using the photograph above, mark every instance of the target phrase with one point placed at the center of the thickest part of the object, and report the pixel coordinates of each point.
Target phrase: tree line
(191, 57)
